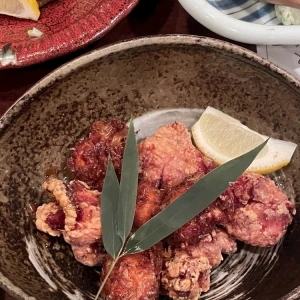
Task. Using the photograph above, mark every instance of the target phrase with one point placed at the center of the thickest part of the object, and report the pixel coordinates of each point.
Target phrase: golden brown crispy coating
(168, 157)
(79, 204)
(59, 190)
(88, 161)
(116, 148)
(135, 277)
(212, 246)
(253, 209)
(187, 272)
(225, 242)
(86, 237)
(50, 219)
(185, 276)
(147, 203)
(80, 192)
(90, 254)
(203, 223)
(88, 227)
(256, 211)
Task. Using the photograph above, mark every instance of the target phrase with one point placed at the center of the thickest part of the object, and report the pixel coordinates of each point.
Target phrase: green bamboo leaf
(128, 184)
(190, 204)
(109, 209)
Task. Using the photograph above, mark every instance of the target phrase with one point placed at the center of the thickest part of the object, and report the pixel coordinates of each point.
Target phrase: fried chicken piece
(168, 157)
(147, 203)
(116, 148)
(59, 191)
(82, 193)
(212, 246)
(86, 237)
(135, 277)
(226, 242)
(186, 276)
(187, 272)
(78, 200)
(252, 209)
(89, 255)
(88, 227)
(256, 211)
(88, 161)
(203, 223)
(50, 219)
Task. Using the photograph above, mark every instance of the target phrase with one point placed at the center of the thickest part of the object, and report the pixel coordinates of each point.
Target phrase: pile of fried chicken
(252, 210)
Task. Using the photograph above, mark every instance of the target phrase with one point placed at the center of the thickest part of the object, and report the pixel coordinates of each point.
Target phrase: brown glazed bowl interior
(136, 77)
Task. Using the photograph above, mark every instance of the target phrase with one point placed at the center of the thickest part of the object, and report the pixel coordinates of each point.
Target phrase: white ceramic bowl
(247, 21)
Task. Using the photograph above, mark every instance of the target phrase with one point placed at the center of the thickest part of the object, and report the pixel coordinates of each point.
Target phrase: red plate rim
(88, 29)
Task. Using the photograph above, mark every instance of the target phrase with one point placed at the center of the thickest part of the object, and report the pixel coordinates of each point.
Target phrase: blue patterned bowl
(251, 11)
(248, 21)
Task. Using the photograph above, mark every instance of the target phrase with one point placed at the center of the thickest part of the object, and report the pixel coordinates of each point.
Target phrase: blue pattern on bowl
(247, 10)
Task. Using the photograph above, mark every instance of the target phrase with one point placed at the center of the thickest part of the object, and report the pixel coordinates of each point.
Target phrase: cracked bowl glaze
(67, 25)
(140, 76)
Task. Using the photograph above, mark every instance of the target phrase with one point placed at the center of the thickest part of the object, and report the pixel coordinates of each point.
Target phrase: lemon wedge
(25, 9)
(223, 138)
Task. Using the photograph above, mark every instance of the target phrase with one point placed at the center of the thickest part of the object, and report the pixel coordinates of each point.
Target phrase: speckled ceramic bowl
(136, 77)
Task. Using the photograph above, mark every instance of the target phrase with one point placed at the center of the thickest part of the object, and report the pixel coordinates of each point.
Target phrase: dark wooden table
(150, 17)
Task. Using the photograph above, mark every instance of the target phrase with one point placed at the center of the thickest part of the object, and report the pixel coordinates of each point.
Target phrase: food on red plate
(23, 9)
(253, 210)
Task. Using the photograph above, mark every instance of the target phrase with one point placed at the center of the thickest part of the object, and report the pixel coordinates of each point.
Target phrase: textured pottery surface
(67, 25)
(137, 77)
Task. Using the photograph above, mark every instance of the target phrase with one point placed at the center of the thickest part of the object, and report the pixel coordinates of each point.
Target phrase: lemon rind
(281, 149)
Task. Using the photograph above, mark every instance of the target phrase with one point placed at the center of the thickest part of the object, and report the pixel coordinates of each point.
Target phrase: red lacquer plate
(67, 25)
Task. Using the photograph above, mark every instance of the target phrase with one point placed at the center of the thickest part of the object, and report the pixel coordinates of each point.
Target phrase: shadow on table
(149, 17)
(4, 296)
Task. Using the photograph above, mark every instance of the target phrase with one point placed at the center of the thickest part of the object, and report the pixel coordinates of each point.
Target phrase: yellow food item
(223, 138)
(25, 9)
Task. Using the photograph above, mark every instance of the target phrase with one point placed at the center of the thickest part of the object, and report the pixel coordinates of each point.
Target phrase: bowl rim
(237, 30)
(87, 58)
(69, 67)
